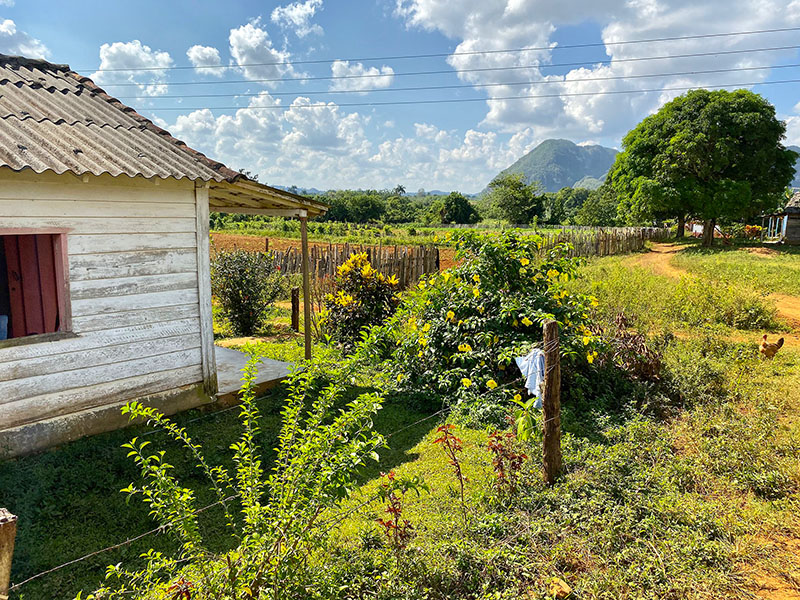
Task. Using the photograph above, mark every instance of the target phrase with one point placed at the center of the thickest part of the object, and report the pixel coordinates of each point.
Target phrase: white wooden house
(104, 259)
(784, 226)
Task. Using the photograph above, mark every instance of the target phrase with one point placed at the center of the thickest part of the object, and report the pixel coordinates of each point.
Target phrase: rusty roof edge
(24, 61)
(226, 172)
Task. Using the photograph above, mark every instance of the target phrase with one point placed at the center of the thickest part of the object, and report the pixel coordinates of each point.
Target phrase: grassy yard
(687, 487)
(69, 503)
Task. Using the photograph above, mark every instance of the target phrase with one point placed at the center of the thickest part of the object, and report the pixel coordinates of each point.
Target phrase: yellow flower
(419, 354)
(436, 238)
(393, 280)
(552, 274)
(446, 276)
(491, 384)
(523, 271)
(450, 314)
(426, 327)
(423, 342)
(586, 340)
(517, 397)
(461, 321)
(476, 292)
(466, 382)
(594, 301)
(464, 348)
(432, 281)
(366, 270)
(421, 285)
(591, 356)
(527, 322)
(399, 377)
(524, 262)
(481, 309)
(476, 278)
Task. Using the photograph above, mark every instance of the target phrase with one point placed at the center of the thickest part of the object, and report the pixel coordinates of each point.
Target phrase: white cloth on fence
(532, 368)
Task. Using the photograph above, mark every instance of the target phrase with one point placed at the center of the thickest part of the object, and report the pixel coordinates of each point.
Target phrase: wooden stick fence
(407, 263)
(603, 241)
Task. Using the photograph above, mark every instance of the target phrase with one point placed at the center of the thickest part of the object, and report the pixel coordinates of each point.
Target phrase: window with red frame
(33, 292)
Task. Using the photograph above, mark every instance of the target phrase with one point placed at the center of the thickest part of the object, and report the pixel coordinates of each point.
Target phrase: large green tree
(456, 208)
(711, 155)
(515, 200)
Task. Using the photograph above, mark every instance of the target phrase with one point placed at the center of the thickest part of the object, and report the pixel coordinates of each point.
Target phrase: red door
(32, 284)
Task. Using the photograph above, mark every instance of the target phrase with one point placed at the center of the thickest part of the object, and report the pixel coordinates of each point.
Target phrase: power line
(471, 70)
(481, 99)
(448, 54)
(461, 86)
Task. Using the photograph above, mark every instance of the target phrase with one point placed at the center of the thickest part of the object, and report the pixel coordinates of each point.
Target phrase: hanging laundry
(532, 368)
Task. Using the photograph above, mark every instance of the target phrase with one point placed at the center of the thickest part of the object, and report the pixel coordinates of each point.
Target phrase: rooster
(770, 350)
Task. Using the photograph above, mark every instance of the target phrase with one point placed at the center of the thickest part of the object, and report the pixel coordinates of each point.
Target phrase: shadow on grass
(69, 503)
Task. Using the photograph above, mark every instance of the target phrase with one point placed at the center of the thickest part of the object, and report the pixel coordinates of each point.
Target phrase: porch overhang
(253, 198)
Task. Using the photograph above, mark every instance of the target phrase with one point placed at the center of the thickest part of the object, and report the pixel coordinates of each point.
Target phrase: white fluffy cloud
(133, 55)
(297, 16)
(356, 77)
(16, 42)
(314, 144)
(205, 57)
(594, 109)
(8, 3)
(251, 46)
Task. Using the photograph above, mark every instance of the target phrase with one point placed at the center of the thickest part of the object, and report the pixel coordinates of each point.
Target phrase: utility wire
(447, 54)
(471, 70)
(462, 86)
(481, 99)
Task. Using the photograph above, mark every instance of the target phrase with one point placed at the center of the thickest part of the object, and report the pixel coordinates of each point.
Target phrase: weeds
(452, 448)
(506, 461)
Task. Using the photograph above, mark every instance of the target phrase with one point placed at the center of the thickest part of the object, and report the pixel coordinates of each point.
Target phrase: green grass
(655, 301)
(778, 271)
(69, 504)
(668, 486)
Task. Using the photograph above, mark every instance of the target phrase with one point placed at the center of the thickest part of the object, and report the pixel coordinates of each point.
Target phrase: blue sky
(294, 131)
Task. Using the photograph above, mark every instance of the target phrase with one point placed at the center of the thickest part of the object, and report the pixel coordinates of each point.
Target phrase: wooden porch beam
(306, 286)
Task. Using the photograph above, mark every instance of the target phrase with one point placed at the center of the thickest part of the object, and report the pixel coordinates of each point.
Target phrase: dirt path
(777, 578)
(659, 260)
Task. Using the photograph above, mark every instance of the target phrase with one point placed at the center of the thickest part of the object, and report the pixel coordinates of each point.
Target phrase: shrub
(457, 333)
(363, 297)
(246, 284)
(282, 518)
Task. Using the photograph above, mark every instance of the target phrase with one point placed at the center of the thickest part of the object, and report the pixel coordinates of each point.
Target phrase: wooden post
(306, 287)
(8, 532)
(295, 309)
(266, 244)
(551, 403)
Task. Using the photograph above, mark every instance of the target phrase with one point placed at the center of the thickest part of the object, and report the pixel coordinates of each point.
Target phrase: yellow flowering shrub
(364, 297)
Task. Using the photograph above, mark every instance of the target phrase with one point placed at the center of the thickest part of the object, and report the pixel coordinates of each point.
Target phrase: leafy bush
(457, 333)
(363, 298)
(246, 284)
(282, 517)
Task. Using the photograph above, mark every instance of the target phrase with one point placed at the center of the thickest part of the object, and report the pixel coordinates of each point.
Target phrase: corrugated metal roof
(794, 203)
(53, 119)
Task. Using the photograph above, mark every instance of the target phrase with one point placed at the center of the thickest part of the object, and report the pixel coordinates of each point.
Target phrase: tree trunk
(681, 227)
(708, 232)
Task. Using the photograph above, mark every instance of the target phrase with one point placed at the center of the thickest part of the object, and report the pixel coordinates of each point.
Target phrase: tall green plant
(284, 515)
(246, 285)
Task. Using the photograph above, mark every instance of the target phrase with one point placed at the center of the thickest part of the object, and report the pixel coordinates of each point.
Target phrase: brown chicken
(770, 350)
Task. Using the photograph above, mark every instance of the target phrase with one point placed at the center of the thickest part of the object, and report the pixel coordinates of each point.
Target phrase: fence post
(551, 403)
(8, 532)
(295, 309)
(266, 244)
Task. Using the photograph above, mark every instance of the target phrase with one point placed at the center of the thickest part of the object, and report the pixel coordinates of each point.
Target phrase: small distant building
(784, 227)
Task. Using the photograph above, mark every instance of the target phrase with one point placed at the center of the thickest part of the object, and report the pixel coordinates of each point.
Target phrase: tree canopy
(514, 200)
(707, 154)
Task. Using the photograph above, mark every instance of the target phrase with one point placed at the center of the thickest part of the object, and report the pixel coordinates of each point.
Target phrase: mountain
(796, 182)
(561, 163)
